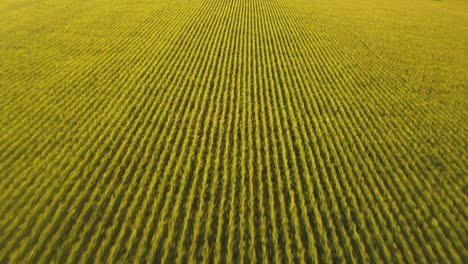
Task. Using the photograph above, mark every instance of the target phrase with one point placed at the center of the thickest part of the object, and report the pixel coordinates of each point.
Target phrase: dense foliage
(281, 131)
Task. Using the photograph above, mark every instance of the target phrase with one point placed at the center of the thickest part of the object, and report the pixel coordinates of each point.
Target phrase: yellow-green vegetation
(233, 131)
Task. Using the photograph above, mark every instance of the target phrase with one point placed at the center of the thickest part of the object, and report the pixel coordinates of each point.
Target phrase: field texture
(233, 131)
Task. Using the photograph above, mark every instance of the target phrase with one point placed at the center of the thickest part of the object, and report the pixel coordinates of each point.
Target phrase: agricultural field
(233, 131)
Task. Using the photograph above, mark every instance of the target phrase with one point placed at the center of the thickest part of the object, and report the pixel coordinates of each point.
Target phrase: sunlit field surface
(233, 131)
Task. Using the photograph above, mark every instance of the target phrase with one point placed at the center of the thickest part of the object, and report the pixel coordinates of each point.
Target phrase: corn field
(233, 131)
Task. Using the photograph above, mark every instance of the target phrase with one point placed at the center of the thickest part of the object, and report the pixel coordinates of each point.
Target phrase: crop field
(233, 131)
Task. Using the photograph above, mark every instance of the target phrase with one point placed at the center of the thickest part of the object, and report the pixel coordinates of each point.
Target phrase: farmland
(261, 131)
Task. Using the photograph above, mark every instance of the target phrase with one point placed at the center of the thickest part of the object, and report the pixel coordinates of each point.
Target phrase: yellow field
(233, 131)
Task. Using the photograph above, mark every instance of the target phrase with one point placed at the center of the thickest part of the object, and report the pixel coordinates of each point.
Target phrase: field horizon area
(233, 131)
